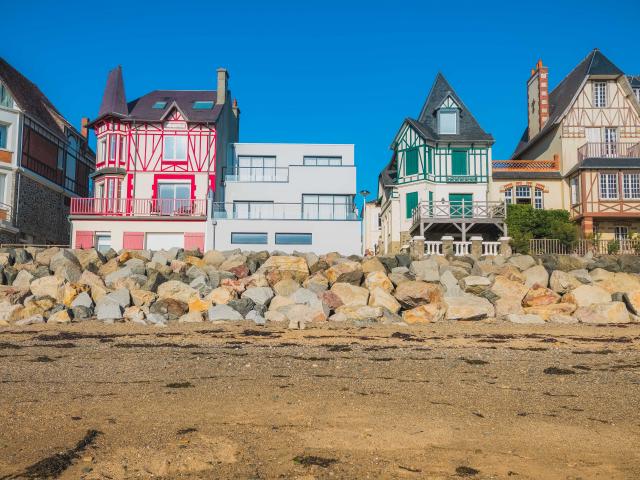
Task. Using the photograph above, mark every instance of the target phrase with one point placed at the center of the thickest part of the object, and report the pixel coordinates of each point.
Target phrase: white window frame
(508, 195)
(600, 94)
(636, 91)
(621, 232)
(102, 150)
(611, 141)
(171, 148)
(575, 190)
(631, 186)
(6, 128)
(608, 183)
(103, 235)
(448, 111)
(538, 199)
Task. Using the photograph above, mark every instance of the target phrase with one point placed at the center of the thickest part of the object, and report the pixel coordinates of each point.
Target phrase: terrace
(609, 150)
(168, 208)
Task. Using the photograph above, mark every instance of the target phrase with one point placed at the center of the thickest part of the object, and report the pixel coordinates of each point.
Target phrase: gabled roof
(31, 100)
(114, 98)
(469, 130)
(562, 97)
(141, 109)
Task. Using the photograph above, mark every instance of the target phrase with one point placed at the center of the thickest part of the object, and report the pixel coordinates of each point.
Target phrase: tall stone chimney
(538, 98)
(223, 81)
(83, 127)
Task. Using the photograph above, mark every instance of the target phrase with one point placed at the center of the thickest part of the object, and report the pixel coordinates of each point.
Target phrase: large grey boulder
(108, 310)
(425, 270)
(121, 296)
(475, 284)
(259, 295)
(522, 262)
(82, 300)
(450, 284)
(111, 278)
(223, 313)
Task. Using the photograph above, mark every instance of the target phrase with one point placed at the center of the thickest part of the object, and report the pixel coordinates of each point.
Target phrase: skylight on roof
(159, 105)
(202, 105)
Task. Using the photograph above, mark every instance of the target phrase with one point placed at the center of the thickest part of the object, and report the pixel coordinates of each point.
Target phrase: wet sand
(449, 400)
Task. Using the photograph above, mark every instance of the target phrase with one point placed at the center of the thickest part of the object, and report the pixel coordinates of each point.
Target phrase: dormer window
(599, 94)
(448, 121)
(5, 97)
(159, 105)
(448, 117)
(202, 105)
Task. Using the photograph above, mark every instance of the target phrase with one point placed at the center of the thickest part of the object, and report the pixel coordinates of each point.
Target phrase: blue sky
(334, 72)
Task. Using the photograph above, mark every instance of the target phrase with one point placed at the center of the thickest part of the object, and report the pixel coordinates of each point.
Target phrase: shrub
(525, 222)
(613, 247)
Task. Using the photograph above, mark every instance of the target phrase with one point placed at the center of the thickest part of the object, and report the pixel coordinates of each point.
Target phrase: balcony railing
(6, 214)
(283, 211)
(609, 150)
(256, 174)
(552, 165)
(459, 210)
(139, 207)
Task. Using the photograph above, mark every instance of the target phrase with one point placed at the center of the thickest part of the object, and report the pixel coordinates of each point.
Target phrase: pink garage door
(194, 241)
(133, 240)
(84, 239)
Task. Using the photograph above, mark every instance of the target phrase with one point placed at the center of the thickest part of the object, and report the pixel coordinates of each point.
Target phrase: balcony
(168, 208)
(608, 150)
(282, 211)
(445, 211)
(536, 166)
(256, 174)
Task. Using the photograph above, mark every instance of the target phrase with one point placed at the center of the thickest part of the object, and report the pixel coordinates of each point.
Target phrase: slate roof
(469, 130)
(31, 100)
(608, 163)
(561, 97)
(634, 80)
(141, 109)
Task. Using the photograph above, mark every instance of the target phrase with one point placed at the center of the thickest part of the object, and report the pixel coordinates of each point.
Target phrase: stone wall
(60, 286)
(42, 215)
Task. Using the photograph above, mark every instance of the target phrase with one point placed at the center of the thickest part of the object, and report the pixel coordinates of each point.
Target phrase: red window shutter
(133, 240)
(84, 239)
(194, 241)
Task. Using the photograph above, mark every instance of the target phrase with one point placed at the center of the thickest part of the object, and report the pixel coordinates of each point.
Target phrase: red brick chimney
(538, 98)
(83, 127)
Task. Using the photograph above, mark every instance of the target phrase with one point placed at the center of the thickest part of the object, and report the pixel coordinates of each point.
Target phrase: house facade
(371, 227)
(580, 150)
(287, 197)
(159, 160)
(437, 181)
(44, 163)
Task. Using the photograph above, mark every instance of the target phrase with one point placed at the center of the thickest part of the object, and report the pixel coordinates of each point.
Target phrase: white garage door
(164, 241)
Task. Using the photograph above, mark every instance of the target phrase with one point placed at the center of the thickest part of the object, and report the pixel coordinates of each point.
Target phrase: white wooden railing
(490, 248)
(461, 248)
(433, 248)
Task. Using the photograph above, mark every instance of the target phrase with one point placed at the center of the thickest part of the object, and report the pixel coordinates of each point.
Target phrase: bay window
(608, 186)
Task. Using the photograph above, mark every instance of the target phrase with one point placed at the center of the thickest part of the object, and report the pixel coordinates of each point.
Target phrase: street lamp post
(363, 236)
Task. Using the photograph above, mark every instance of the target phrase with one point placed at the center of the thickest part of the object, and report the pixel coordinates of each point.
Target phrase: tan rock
(286, 287)
(507, 305)
(503, 287)
(50, 286)
(95, 283)
(279, 301)
(620, 282)
(538, 296)
(345, 272)
(198, 305)
(44, 257)
(134, 314)
(355, 313)
(632, 299)
(372, 264)
(213, 258)
(432, 312)
(380, 297)
(275, 316)
(23, 279)
(350, 295)
(236, 286)
(546, 311)
(142, 298)
(468, 308)
(415, 293)
(71, 291)
(61, 316)
(536, 275)
(562, 282)
(278, 268)
(612, 312)
(255, 280)
(586, 295)
(475, 284)
(191, 317)
(511, 273)
(109, 267)
(221, 296)
(177, 290)
(197, 261)
(378, 280)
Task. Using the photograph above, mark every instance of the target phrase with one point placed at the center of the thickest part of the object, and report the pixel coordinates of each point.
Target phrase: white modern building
(287, 197)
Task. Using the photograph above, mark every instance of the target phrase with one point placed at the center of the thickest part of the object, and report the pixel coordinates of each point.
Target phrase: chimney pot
(84, 131)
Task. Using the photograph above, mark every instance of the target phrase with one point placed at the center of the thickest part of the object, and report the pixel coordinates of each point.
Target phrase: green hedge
(525, 222)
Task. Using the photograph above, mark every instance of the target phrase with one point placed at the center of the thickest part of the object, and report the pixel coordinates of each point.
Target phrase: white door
(594, 135)
(164, 241)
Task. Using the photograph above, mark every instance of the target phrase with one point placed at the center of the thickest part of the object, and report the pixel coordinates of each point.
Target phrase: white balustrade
(433, 248)
(461, 248)
(490, 248)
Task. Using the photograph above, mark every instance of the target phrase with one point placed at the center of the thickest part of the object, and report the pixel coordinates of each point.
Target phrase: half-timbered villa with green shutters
(436, 183)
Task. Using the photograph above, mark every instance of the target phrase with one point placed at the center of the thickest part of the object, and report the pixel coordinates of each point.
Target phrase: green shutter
(430, 203)
(458, 162)
(411, 200)
(411, 162)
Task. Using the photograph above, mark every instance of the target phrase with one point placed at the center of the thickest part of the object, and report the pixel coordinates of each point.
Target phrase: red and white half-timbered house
(158, 161)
